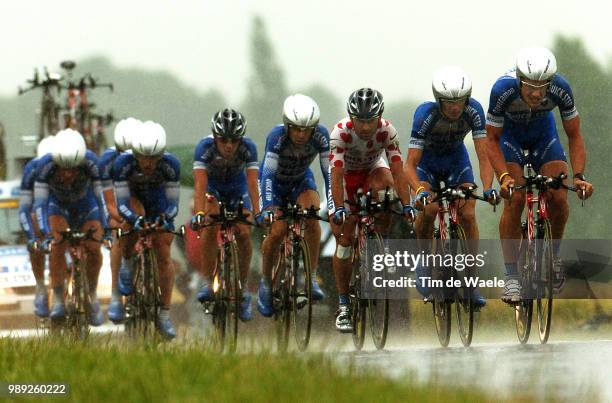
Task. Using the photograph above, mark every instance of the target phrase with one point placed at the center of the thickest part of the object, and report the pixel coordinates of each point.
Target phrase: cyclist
(147, 188)
(285, 177)
(357, 147)
(225, 169)
(30, 227)
(520, 117)
(67, 194)
(122, 136)
(436, 153)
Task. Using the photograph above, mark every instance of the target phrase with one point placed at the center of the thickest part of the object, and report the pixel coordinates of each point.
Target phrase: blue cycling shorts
(453, 168)
(76, 213)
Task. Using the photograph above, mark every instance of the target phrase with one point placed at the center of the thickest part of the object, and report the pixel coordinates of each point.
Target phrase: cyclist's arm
(172, 185)
(394, 156)
(252, 174)
(25, 199)
(410, 167)
(122, 188)
(577, 150)
(94, 174)
(324, 163)
(486, 171)
(479, 136)
(25, 209)
(122, 191)
(253, 188)
(336, 170)
(337, 186)
(200, 186)
(494, 151)
(41, 203)
(111, 204)
(400, 180)
(268, 175)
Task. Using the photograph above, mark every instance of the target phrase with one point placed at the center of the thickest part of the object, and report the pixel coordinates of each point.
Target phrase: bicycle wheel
(544, 276)
(441, 302)
(523, 310)
(464, 301)
(77, 322)
(219, 316)
(357, 303)
(134, 310)
(301, 294)
(280, 300)
(378, 308)
(152, 295)
(233, 294)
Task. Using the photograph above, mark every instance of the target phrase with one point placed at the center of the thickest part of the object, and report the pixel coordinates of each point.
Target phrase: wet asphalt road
(566, 370)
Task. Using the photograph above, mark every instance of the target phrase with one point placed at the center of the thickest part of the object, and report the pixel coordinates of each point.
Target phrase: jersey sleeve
(269, 167)
(172, 184)
(200, 156)
(93, 166)
(390, 139)
(252, 161)
(41, 194)
(420, 127)
(477, 119)
(105, 166)
(122, 168)
(324, 154)
(25, 198)
(338, 140)
(562, 91)
(504, 90)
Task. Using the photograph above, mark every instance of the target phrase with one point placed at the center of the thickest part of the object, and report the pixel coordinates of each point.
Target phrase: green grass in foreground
(101, 370)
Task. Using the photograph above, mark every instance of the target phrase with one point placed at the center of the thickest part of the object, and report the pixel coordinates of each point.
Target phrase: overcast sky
(391, 45)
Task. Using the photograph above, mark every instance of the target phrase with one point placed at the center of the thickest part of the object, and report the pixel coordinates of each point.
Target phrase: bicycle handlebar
(544, 183)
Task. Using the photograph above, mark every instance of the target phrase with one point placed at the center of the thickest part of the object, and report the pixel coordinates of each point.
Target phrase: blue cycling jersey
(506, 104)
(433, 133)
(25, 197)
(285, 163)
(48, 183)
(161, 188)
(106, 164)
(221, 170)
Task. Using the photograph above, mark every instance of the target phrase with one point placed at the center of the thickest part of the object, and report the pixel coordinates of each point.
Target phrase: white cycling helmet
(69, 148)
(124, 131)
(150, 140)
(45, 146)
(536, 63)
(451, 82)
(301, 110)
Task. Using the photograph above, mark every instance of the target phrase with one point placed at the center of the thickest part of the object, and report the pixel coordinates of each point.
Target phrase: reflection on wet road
(567, 370)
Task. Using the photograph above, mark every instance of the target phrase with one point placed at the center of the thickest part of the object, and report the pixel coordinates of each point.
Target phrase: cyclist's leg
(461, 174)
(125, 280)
(209, 250)
(57, 262)
(510, 231)
(550, 160)
(87, 215)
(242, 232)
(378, 181)
(115, 309)
(162, 243)
(427, 172)
(341, 261)
(308, 197)
(37, 260)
